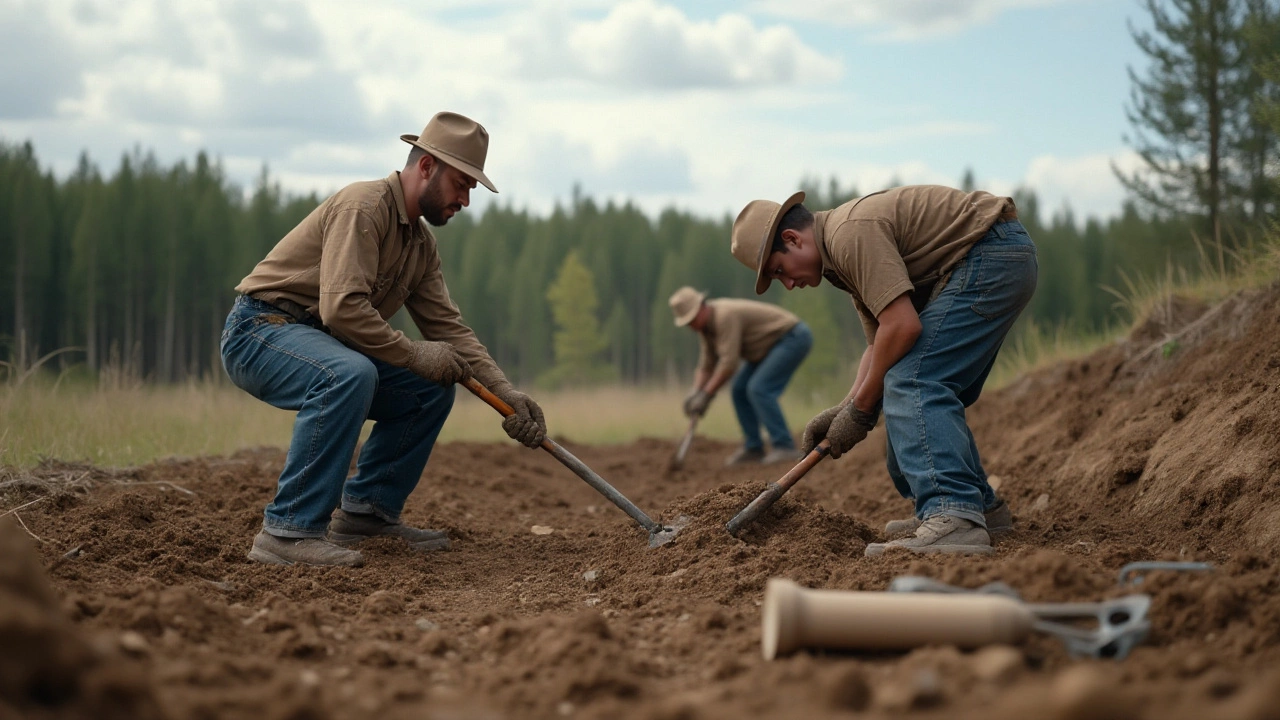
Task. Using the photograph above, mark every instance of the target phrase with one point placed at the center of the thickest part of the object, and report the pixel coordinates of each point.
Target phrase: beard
(432, 203)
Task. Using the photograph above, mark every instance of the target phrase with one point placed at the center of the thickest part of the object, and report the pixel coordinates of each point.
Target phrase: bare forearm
(863, 365)
(890, 347)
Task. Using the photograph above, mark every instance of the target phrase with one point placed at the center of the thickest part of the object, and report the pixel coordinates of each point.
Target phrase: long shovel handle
(776, 490)
(677, 461)
(568, 460)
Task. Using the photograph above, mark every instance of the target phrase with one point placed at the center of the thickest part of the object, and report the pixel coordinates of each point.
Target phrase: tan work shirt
(902, 240)
(354, 262)
(741, 330)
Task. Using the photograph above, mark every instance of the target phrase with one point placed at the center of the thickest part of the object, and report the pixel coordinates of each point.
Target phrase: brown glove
(438, 362)
(696, 403)
(527, 426)
(844, 425)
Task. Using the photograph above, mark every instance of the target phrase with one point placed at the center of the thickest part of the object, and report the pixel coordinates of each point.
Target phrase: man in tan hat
(938, 277)
(309, 333)
(771, 341)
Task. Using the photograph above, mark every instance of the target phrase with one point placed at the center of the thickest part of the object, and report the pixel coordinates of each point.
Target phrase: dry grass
(128, 426)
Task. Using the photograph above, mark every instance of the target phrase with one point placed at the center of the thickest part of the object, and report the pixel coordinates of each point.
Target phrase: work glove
(844, 425)
(527, 426)
(696, 403)
(438, 362)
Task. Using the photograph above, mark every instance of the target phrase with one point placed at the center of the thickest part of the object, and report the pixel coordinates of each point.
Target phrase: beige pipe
(796, 617)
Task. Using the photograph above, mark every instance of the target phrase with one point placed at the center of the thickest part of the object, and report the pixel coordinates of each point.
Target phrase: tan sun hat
(458, 141)
(753, 234)
(685, 304)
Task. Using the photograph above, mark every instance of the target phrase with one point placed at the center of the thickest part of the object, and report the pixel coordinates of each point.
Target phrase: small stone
(565, 708)
(309, 678)
(678, 573)
(132, 642)
(590, 575)
(592, 601)
(1041, 504)
(541, 530)
(425, 625)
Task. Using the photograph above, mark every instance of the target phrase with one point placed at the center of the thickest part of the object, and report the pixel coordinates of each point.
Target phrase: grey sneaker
(272, 550)
(999, 522)
(347, 529)
(745, 456)
(778, 455)
(941, 534)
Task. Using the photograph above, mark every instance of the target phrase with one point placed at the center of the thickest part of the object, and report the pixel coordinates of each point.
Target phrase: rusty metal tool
(659, 534)
(776, 490)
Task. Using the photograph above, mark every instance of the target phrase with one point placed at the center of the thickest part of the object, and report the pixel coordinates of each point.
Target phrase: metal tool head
(1121, 624)
(1133, 573)
(665, 533)
(915, 583)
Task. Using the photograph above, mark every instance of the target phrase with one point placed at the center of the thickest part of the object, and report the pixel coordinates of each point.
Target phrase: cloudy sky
(699, 105)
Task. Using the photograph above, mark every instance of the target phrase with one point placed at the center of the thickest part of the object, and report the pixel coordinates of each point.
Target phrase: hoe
(658, 534)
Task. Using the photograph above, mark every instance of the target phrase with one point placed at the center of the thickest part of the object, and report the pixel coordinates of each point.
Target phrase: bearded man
(310, 333)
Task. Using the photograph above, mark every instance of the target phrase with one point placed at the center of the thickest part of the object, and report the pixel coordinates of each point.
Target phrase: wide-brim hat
(685, 304)
(457, 141)
(753, 234)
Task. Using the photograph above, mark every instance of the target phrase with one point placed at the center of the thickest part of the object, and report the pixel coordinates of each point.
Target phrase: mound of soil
(1164, 446)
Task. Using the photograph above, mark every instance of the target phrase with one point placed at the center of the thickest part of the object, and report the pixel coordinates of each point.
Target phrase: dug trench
(137, 600)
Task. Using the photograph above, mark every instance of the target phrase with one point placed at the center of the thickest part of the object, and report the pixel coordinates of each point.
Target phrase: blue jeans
(932, 457)
(756, 388)
(334, 389)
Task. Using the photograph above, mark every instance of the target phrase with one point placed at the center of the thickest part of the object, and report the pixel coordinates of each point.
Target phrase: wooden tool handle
(486, 395)
(775, 490)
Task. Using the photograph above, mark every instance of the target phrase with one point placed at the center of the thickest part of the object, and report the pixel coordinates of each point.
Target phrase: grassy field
(122, 427)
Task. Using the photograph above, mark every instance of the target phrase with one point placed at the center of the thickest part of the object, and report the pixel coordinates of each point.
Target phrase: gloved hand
(816, 429)
(844, 425)
(527, 426)
(696, 403)
(438, 362)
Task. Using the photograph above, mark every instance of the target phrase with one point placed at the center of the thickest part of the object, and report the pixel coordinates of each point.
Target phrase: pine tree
(579, 340)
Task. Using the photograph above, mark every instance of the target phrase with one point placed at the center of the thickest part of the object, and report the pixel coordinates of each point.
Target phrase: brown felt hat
(685, 304)
(457, 141)
(753, 234)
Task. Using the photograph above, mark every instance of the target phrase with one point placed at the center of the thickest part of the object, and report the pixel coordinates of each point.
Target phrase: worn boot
(347, 529)
(778, 455)
(999, 522)
(745, 456)
(941, 534)
(272, 550)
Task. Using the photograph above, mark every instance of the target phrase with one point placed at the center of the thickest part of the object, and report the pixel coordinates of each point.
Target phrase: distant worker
(938, 277)
(309, 333)
(772, 341)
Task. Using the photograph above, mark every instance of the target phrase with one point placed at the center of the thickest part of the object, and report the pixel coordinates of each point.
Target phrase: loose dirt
(138, 602)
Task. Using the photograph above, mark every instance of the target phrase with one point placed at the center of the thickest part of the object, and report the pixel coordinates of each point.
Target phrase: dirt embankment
(1166, 446)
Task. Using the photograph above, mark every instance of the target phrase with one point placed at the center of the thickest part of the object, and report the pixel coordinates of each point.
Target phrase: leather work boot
(941, 534)
(999, 522)
(272, 550)
(347, 529)
(745, 456)
(778, 455)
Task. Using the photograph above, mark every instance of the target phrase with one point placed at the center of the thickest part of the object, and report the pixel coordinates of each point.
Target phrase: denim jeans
(932, 457)
(756, 388)
(334, 389)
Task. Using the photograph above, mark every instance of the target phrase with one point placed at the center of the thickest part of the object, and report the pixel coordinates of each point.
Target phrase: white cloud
(643, 44)
(898, 20)
(1086, 184)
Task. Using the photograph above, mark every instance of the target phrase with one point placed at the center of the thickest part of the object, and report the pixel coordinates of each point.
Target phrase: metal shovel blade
(663, 534)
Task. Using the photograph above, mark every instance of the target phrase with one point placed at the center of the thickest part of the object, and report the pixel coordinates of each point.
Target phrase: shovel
(677, 460)
(658, 534)
(775, 490)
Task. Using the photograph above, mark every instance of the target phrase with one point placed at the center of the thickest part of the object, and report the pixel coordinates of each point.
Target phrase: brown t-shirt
(741, 330)
(354, 262)
(903, 240)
